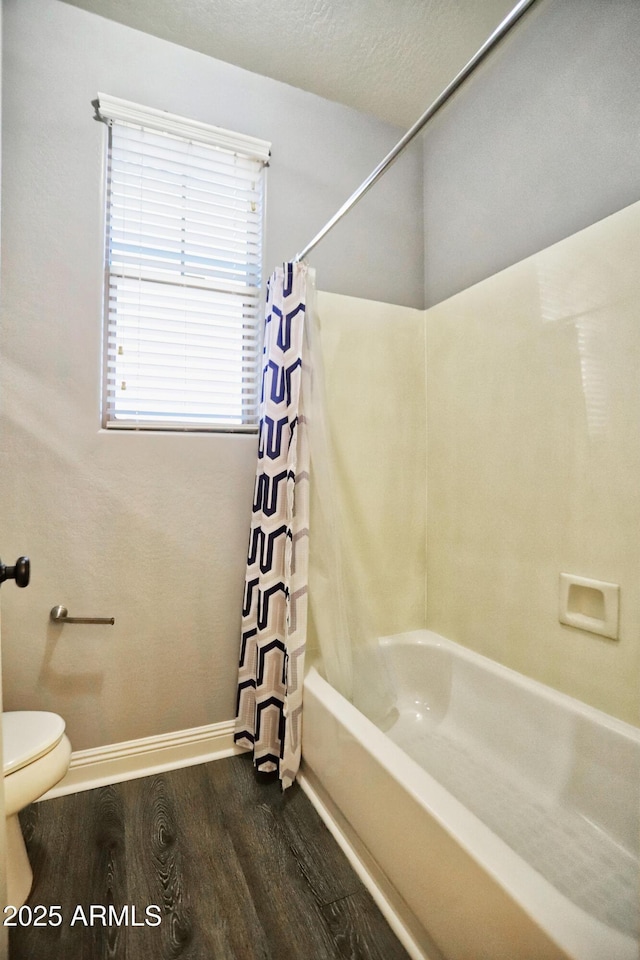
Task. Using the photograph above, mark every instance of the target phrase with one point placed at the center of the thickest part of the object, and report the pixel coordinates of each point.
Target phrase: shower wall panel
(373, 357)
(533, 424)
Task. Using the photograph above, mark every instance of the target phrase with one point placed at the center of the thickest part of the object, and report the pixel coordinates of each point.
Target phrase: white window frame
(113, 110)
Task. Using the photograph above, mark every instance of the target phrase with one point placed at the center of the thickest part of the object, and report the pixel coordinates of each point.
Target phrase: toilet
(36, 756)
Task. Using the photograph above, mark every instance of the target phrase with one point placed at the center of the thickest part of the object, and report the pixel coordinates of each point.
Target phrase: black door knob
(19, 573)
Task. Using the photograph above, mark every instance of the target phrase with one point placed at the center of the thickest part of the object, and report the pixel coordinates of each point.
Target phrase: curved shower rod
(448, 91)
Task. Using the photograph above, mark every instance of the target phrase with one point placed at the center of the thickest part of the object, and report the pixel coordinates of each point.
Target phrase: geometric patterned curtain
(274, 615)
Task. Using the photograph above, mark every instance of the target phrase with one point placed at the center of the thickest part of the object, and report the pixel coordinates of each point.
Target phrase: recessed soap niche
(591, 605)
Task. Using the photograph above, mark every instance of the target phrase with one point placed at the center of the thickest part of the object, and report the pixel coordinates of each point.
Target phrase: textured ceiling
(390, 58)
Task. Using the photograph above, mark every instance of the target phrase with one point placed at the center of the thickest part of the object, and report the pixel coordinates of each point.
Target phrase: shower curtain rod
(448, 91)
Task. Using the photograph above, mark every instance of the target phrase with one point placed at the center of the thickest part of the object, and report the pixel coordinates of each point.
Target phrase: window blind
(183, 272)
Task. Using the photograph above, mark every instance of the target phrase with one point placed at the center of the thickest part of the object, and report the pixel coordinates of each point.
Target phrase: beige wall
(533, 420)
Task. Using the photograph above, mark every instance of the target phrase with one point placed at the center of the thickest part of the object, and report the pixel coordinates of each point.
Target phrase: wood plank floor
(238, 870)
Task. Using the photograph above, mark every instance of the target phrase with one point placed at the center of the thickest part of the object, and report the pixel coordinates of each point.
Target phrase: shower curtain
(274, 615)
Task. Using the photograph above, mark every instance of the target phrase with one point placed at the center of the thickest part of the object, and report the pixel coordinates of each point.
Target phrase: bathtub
(498, 817)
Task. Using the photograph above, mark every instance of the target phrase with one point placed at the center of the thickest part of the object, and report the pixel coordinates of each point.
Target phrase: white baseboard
(400, 918)
(117, 762)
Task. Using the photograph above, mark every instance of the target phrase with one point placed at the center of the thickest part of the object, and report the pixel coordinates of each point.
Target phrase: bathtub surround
(367, 489)
(533, 426)
(373, 357)
(528, 435)
(274, 611)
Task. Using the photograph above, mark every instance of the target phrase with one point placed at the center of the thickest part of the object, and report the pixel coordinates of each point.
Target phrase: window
(183, 272)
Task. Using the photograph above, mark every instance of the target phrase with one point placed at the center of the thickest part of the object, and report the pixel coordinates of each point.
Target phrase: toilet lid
(28, 735)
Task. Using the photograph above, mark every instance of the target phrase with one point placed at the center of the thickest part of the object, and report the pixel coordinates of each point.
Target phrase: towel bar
(59, 614)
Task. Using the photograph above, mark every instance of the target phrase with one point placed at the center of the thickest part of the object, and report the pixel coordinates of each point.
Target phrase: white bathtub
(503, 814)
